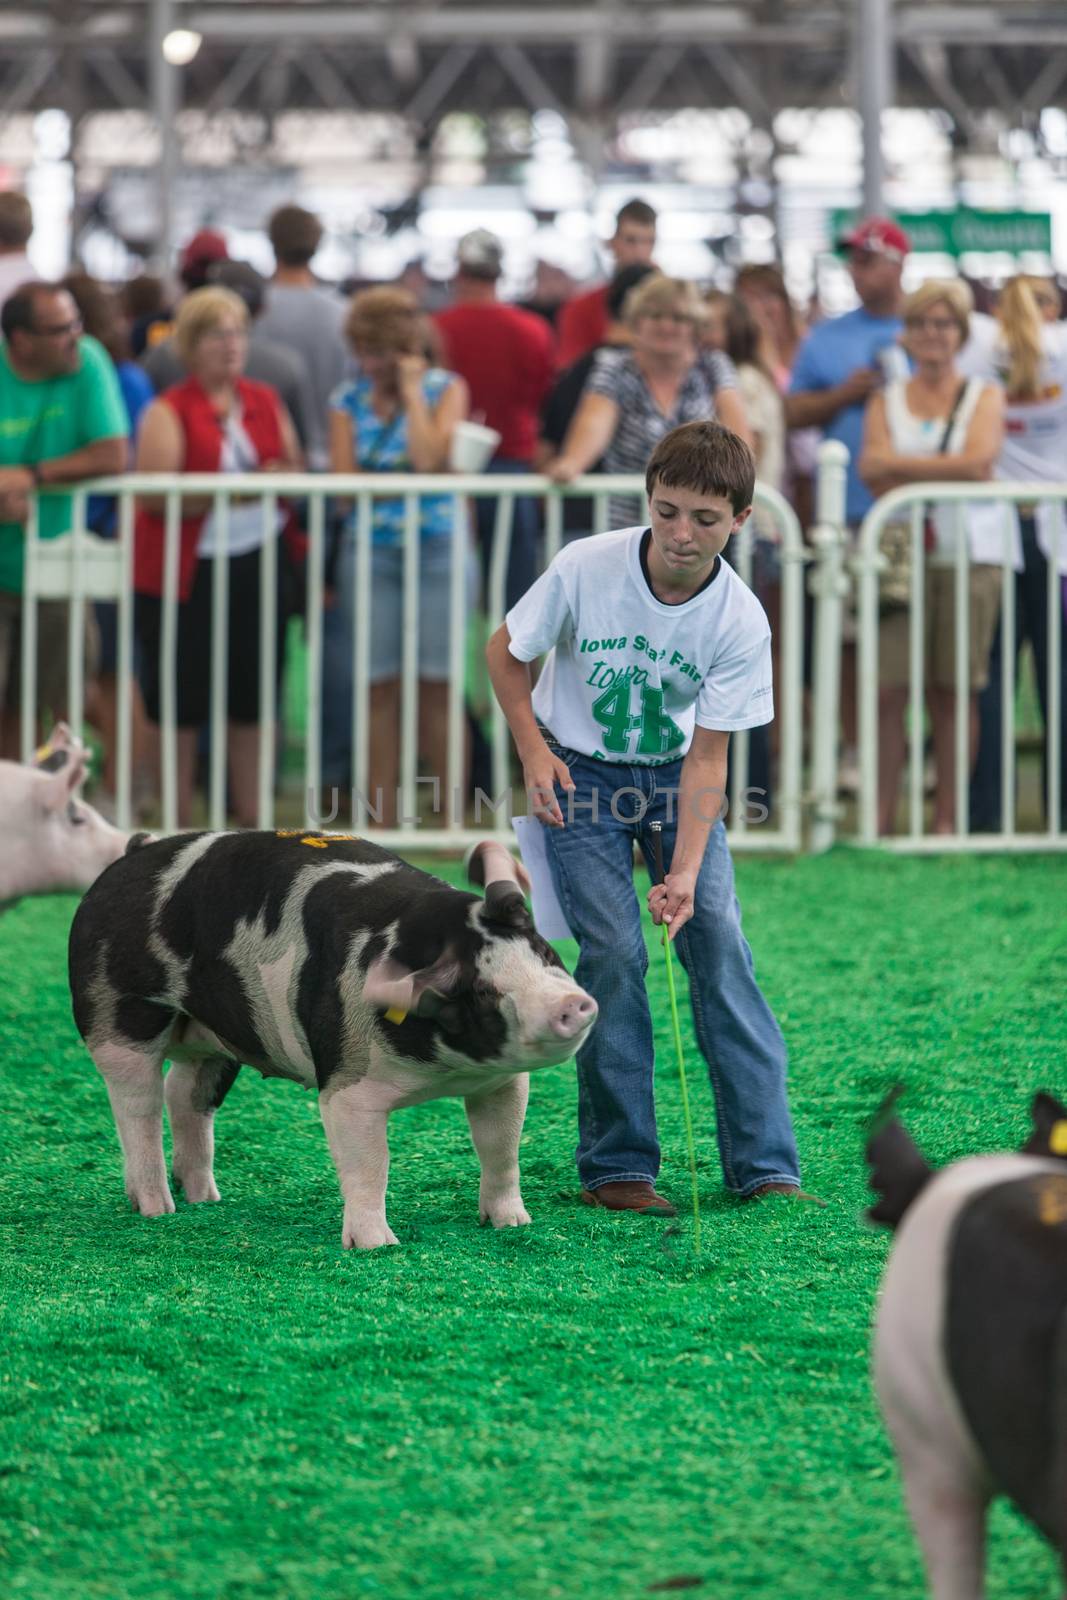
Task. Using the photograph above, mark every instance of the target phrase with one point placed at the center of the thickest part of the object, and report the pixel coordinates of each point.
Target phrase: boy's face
(690, 529)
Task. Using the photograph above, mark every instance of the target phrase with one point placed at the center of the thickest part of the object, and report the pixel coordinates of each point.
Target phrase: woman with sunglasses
(1024, 348)
(215, 421)
(936, 426)
(636, 396)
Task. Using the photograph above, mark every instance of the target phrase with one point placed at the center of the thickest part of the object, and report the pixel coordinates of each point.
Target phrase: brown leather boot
(793, 1190)
(629, 1196)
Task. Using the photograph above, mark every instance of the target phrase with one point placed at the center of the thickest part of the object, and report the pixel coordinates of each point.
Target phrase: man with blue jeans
(655, 651)
(839, 365)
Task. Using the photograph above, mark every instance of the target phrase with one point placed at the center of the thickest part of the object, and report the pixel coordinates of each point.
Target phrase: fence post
(829, 584)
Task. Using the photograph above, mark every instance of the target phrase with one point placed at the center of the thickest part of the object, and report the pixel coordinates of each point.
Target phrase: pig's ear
(898, 1168)
(60, 738)
(397, 990)
(61, 783)
(506, 883)
(1049, 1118)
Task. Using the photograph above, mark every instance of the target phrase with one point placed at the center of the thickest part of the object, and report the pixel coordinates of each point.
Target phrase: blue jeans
(592, 866)
(1031, 622)
(336, 698)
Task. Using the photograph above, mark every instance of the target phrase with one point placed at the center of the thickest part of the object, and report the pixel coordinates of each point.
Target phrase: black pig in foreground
(325, 959)
(970, 1349)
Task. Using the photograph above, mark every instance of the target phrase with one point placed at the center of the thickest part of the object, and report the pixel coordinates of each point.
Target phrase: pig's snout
(573, 1015)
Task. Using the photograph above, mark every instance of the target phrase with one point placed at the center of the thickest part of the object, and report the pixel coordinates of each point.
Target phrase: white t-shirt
(245, 528)
(628, 677)
(985, 523)
(1035, 431)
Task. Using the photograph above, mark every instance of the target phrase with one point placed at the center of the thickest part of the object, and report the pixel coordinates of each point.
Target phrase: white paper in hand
(547, 911)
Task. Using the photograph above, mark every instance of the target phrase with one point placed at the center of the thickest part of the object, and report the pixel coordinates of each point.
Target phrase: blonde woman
(398, 416)
(215, 421)
(636, 396)
(936, 426)
(1025, 350)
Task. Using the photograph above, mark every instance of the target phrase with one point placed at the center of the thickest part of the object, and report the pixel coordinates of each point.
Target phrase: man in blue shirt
(839, 363)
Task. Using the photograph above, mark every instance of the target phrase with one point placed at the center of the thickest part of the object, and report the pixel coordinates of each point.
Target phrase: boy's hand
(672, 901)
(541, 771)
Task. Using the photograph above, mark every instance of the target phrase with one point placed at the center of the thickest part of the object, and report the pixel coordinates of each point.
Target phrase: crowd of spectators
(226, 371)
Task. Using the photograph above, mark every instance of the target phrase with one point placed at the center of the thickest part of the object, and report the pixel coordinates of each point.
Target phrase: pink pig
(50, 840)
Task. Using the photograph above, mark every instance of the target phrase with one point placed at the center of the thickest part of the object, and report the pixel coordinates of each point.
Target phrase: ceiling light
(181, 46)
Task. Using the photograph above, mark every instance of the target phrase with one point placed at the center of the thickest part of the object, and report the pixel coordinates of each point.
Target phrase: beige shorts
(51, 652)
(939, 628)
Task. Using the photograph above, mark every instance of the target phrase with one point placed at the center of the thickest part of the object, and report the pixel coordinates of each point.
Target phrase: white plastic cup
(473, 447)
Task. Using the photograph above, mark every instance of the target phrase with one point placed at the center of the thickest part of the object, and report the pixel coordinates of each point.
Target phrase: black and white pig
(325, 959)
(970, 1346)
(50, 839)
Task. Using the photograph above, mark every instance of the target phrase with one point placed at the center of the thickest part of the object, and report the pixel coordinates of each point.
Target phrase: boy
(656, 651)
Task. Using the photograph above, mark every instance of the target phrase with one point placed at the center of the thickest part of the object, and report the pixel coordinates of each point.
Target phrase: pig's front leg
(496, 1119)
(355, 1116)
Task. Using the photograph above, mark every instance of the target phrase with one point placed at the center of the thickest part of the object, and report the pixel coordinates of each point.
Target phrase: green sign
(963, 231)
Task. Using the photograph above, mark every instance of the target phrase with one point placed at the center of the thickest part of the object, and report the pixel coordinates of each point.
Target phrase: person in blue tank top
(397, 415)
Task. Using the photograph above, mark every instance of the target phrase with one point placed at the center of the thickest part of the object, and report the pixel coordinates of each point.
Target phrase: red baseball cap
(207, 245)
(879, 235)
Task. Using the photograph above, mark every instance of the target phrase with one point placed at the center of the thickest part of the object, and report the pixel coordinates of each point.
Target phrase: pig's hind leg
(194, 1091)
(496, 1119)
(131, 1064)
(948, 1511)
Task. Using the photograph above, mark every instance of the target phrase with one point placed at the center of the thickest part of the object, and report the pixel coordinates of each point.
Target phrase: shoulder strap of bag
(953, 414)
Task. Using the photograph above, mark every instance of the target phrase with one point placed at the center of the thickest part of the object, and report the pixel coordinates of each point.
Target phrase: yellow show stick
(656, 830)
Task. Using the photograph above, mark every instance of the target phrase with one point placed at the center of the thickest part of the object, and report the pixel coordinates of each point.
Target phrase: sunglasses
(59, 331)
(932, 324)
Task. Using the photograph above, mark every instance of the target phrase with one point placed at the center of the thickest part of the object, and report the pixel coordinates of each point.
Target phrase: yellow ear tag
(1057, 1138)
(394, 1014)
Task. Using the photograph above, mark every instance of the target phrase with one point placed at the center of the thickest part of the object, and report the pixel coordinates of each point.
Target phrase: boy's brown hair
(706, 458)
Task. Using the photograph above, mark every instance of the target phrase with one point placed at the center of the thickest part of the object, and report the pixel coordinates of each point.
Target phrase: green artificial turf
(223, 1405)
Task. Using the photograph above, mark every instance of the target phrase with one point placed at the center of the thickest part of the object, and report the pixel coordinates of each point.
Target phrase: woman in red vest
(216, 421)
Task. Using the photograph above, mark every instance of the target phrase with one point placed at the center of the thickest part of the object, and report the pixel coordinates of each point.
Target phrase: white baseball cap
(481, 252)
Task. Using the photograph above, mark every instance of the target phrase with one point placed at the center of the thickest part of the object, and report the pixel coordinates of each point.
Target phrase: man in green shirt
(62, 420)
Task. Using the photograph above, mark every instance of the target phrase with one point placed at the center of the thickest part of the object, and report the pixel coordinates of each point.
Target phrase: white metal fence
(912, 504)
(81, 566)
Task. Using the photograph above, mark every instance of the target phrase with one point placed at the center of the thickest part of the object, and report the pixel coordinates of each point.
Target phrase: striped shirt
(641, 423)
